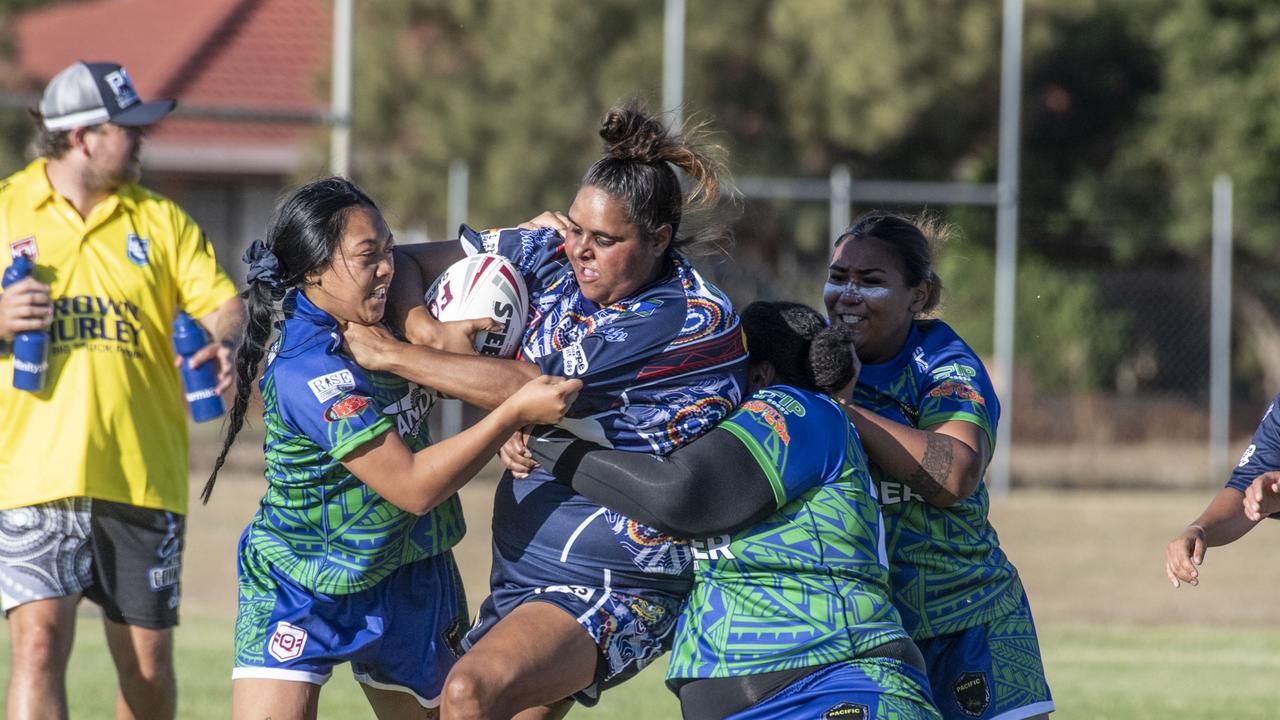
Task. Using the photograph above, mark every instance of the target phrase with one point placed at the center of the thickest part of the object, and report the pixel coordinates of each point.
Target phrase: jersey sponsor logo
(893, 492)
(785, 402)
(847, 711)
(410, 411)
(712, 548)
(575, 360)
(972, 693)
(84, 319)
(918, 356)
(327, 387)
(138, 250)
(951, 388)
(287, 642)
(1248, 455)
(348, 406)
(771, 417)
(954, 371)
(24, 246)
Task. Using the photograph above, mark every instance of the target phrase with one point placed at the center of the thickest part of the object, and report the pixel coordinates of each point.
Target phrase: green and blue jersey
(317, 523)
(948, 571)
(809, 585)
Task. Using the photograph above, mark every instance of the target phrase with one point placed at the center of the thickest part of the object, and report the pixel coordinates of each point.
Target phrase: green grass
(1097, 673)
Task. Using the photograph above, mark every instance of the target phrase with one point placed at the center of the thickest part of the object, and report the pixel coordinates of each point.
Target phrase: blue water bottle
(30, 348)
(200, 382)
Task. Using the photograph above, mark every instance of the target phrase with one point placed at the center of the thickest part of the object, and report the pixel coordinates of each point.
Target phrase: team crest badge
(847, 711)
(287, 642)
(973, 695)
(138, 250)
(25, 246)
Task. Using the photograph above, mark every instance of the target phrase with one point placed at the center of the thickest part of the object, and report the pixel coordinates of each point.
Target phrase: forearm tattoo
(934, 468)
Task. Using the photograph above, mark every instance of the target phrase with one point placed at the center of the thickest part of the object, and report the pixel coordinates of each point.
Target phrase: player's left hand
(515, 454)
(553, 219)
(221, 352)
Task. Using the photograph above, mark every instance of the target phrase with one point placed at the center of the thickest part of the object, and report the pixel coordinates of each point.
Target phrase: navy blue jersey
(1263, 453)
(659, 368)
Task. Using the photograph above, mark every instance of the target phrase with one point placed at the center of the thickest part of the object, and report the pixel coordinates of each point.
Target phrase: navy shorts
(989, 672)
(631, 628)
(402, 634)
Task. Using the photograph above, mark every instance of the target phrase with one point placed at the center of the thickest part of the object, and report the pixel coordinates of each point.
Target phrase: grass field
(1118, 642)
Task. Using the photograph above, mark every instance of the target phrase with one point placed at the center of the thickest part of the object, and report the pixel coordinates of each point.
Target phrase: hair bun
(832, 360)
(630, 134)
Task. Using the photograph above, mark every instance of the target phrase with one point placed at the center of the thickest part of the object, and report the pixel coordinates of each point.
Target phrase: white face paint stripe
(873, 293)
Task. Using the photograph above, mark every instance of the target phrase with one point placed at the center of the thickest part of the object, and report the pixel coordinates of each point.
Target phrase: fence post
(459, 175)
(1220, 329)
(841, 183)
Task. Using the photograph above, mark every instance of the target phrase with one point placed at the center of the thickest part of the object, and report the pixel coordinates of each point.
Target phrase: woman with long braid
(348, 557)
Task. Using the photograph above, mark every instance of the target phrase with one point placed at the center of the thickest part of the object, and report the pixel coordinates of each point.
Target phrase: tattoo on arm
(934, 468)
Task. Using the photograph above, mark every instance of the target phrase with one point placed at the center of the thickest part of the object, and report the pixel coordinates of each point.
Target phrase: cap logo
(122, 87)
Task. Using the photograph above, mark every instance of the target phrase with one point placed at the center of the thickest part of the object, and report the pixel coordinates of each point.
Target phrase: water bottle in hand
(200, 382)
(30, 348)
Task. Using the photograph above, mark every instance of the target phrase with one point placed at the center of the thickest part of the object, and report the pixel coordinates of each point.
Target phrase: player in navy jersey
(927, 414)
(1249, 495)
(582, 597)
(360, 511)
(790, 614)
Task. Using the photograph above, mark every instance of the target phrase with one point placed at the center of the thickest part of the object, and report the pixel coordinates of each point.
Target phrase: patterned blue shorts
(989, 672)
(868, 689)
(402, 634)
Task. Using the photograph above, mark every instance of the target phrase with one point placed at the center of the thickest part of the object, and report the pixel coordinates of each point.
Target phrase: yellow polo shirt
(110, 422)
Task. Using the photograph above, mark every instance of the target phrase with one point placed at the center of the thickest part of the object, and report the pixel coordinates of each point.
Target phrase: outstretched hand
(455, 336)
(1184, 555)
(1262, 498)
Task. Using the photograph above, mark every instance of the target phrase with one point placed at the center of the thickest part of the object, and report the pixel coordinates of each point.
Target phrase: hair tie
(264, 266)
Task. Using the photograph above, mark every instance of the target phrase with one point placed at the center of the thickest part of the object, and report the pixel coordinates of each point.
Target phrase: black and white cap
(92, 93)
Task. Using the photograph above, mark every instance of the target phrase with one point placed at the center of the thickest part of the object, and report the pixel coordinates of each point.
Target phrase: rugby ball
(483, 285)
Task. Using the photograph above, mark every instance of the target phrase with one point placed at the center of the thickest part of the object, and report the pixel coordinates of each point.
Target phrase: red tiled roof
(266, 54)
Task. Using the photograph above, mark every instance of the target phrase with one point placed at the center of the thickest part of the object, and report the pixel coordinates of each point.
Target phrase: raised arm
(417, 266)
(482, 381)
(943, 463)
(417, 482)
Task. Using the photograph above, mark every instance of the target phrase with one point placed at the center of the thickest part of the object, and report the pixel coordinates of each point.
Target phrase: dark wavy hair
(304, 233)
(639, 168)
(913, 240)
(803, 349)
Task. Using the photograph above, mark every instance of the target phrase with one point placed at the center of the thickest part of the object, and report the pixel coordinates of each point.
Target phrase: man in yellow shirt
(93, 467)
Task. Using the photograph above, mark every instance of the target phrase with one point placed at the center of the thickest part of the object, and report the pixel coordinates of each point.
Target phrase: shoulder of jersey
(479, 286)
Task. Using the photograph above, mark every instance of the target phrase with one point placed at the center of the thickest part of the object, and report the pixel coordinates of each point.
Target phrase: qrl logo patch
(973, 695)
(847, 711)
(139, 250)
(287, 642)
(25, 246)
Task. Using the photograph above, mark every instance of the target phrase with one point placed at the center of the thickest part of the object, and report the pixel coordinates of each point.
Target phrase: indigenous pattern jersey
(808, 585)
(109, 423)
(949, 572)
(317, 523)
(1263, 453)
(659, 368)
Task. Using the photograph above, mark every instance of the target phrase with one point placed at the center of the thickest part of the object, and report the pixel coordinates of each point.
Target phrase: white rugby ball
(478, 286)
